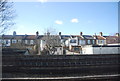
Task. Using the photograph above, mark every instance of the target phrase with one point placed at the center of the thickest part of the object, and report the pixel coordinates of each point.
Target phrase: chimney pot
(48, 33)
(101, 34)
(59, 33)
(14, 33)
(117, 34)
(81, 33)
(37, 33)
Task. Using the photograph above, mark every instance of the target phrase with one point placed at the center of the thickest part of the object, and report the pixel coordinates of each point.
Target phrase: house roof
(7, 36)
(100, 37)
(40, 36)
(44, 37)
(30, 37)
(65, 36)
(19, 36)
(113, 39)
(88, 37)
(80, 37)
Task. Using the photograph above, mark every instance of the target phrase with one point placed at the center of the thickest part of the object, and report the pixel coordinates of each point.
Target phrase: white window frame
(1, 41)
(31, 41)
(26, 41)
(89, 42)
(82, 42)
(19, 41)
(93, 41)
(8, 42)
(101, 41)
(72, 41)
(14, 41)
(4, 41)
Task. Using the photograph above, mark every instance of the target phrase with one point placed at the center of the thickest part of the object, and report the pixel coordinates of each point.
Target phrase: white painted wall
(59, 51)
(67, 42)
(88, 49)
(73, 44)
(106, 50)
(42, 44)
(101, 42)
(7, 42)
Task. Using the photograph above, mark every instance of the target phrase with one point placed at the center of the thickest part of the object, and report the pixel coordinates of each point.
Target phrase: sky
(70, 18)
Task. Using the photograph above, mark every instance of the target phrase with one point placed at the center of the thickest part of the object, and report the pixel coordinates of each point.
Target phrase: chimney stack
(48, 33)
(81, 33)
(14, 33)
(117, 34)
(37, 33)
(95, 36)
(101, 34)
(59, 33)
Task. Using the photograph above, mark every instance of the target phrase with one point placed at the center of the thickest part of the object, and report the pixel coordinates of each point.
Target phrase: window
(101, 41)
(93, 41)
(60, 48)
(4, 41)
(76, 49)
(89, 42)
(82, 42)
(19, 41)
(72, 41)
(0, 40)
(14, 41)
(7, 42)
(26, 41)
(31, 42)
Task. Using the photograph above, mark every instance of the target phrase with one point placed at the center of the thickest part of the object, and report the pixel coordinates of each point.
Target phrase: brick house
(100, 39)
(20, 41)
(113, 39)
(74, 43)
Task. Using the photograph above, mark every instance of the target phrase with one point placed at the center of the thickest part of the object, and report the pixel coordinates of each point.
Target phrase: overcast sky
(66, 17)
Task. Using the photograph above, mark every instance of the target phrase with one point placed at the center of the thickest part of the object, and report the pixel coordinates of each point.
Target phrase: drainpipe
(100, 48)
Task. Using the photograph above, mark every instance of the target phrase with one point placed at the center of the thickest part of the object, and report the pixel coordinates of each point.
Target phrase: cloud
(74, 20)
(58, 22)
(42, 1)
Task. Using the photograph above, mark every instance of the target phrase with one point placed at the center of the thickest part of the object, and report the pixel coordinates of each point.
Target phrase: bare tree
(50, 30)
(51, 42)
(6, 15)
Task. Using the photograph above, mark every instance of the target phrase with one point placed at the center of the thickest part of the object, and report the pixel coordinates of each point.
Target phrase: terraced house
(61, 43)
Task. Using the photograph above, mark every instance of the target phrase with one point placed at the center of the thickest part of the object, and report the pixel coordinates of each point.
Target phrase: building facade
(73, 43)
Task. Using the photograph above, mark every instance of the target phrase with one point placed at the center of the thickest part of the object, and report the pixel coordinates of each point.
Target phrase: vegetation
(51, 41)
(6, 15)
